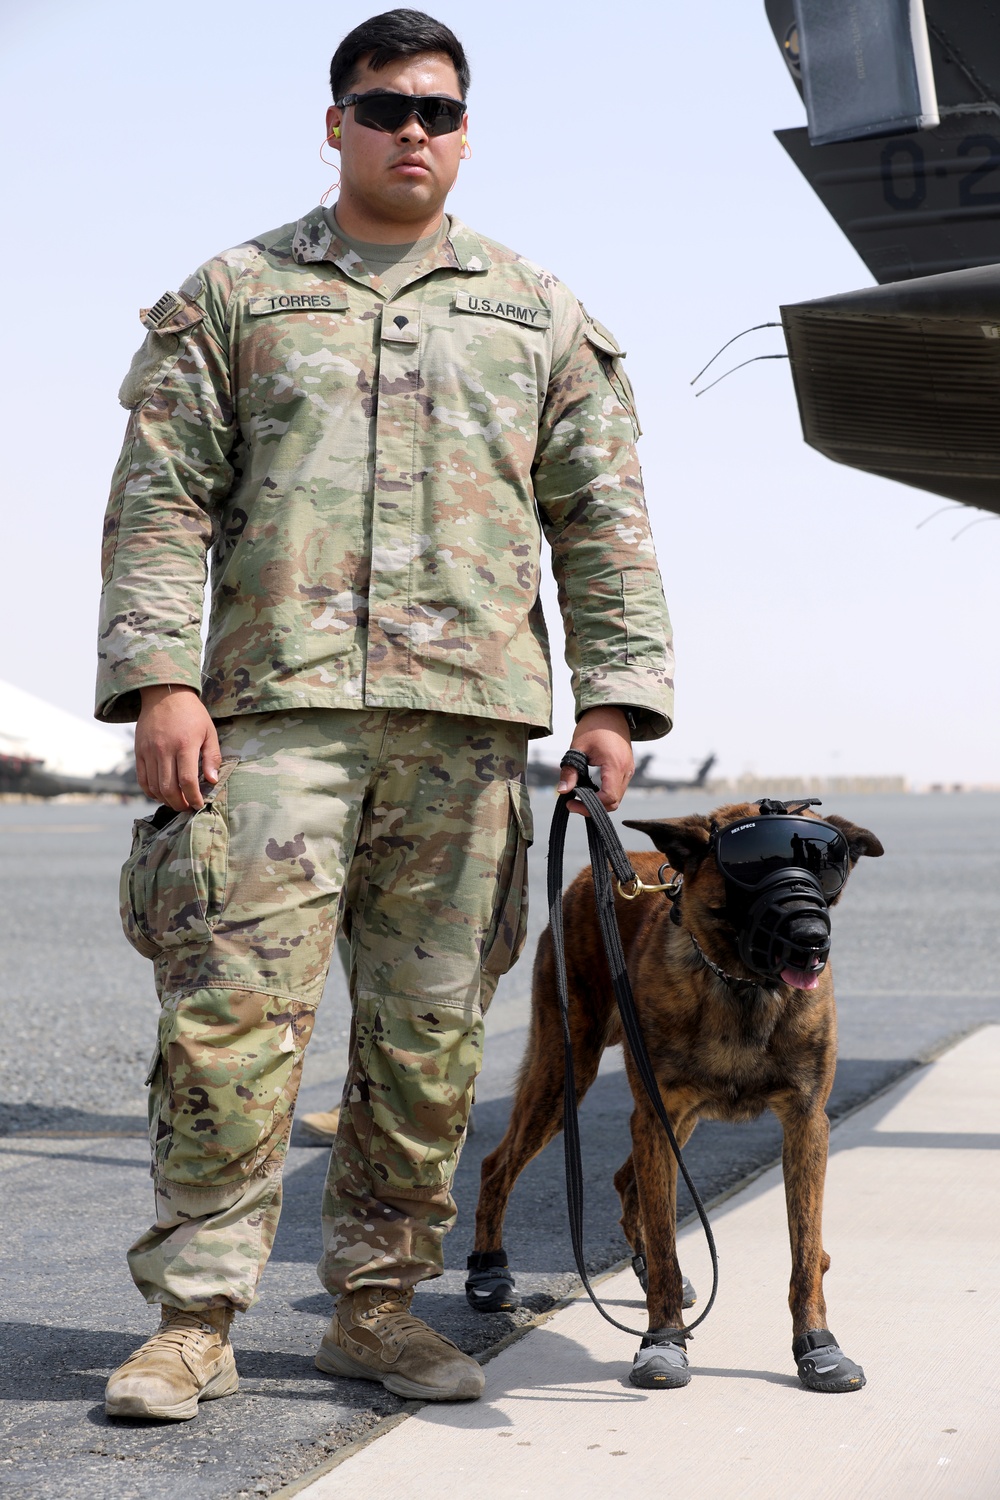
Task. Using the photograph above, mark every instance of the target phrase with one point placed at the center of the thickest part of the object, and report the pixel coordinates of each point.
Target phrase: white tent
(32, 729)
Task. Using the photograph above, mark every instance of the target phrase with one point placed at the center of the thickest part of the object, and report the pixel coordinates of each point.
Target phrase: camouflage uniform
(372, 477)
(372, 474)
(419, 824)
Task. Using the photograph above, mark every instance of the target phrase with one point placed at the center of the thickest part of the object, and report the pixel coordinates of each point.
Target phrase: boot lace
(180, 1330)
(392, 1321)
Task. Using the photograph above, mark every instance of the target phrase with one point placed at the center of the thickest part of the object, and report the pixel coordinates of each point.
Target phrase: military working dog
(729, 969)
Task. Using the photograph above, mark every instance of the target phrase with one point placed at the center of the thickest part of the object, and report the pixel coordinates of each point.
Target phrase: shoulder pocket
(167, 322)
(173, 884)
(149, 365)
(510, 921)
(612, 358)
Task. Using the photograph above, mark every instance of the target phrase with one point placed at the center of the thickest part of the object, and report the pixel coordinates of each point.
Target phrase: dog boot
(188, 1359)
(688, 1294)
(661, 1363)
(823, 1365)
(374, 1336)
(489, 1286)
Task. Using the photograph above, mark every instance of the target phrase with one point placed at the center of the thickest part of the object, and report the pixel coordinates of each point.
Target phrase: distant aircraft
(667, 784)
(45, 751)
(544, 773)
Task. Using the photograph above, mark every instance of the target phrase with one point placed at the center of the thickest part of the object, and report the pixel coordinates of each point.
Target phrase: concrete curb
(907, 1092)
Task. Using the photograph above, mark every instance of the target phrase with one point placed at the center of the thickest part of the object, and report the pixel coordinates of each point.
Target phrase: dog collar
(743, 989)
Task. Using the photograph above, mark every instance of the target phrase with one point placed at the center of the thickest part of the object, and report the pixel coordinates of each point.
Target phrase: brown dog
(726, 1043)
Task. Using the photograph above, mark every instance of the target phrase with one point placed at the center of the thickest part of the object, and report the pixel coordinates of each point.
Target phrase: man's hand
(174, 740)
(602, 734)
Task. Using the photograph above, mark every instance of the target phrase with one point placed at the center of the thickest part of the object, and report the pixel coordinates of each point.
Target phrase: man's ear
(334, 119)
(680, 839)
(859, 840)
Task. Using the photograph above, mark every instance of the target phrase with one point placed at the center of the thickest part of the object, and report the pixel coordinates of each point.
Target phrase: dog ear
(859, 840)
(680, 839)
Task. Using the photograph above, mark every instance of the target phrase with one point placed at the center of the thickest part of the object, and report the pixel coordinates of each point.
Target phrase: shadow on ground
(56, 1443)
(60, 1120)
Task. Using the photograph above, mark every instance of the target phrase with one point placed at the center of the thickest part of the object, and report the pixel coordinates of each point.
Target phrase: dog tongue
(801, 979)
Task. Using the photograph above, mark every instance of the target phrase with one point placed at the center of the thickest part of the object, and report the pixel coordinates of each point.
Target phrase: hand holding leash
(602, 737)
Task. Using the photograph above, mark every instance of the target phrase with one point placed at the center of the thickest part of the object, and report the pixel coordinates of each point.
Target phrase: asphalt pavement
(914, 958)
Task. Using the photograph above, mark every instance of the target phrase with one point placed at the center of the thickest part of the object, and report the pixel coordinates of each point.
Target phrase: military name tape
(297, 302)
(495, 307)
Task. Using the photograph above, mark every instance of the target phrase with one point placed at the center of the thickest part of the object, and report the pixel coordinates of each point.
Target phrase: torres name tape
(495, 307)
(298, 302)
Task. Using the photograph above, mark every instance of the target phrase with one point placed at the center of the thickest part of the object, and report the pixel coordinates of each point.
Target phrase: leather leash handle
(605, 846)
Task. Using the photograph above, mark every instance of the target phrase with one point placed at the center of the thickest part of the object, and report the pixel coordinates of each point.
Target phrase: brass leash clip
(636, 887)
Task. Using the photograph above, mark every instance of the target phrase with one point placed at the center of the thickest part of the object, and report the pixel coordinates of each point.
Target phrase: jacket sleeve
(588, 487)
(172, 475)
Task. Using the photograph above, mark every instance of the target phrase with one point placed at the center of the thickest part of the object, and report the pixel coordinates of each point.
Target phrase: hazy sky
(629, 148)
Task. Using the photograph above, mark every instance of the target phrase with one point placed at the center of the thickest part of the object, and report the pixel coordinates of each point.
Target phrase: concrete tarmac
(913, 1225)
(915, 963)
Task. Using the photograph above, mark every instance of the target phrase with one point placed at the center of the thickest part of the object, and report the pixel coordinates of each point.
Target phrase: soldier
(369, 417)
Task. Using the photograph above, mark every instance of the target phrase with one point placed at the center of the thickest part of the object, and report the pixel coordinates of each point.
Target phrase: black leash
(605, 846)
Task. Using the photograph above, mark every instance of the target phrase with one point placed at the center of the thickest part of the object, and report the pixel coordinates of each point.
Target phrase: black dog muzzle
(787, 926)
(781, 871)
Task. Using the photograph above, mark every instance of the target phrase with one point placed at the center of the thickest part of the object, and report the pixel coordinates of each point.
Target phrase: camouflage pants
(412, 828)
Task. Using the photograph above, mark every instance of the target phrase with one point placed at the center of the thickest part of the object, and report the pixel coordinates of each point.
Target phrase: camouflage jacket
(372, 476)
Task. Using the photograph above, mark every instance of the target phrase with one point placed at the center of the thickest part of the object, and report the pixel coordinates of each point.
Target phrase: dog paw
(823, 1365)
(688, 1295)
(660, 1365)
(489, 1287)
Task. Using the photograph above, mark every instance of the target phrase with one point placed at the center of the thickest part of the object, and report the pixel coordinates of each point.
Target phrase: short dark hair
(386, 38)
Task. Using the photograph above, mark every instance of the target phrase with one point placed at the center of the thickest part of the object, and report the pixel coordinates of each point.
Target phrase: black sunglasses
(437, 113)
(747, 853)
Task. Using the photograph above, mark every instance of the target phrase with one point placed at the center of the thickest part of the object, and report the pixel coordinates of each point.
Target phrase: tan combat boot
(374, 1336)
(321, 1126)
(188, 1359)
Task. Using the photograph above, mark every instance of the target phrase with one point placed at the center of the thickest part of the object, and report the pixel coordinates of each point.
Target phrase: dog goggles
(438, 113)
(748, 853)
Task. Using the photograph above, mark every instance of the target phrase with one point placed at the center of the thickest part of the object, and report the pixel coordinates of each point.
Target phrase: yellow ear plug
(336, 132)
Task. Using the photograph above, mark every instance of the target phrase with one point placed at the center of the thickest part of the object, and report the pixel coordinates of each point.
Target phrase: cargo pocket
(510, 917)
(173, 884)
(225, 1087)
